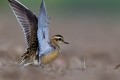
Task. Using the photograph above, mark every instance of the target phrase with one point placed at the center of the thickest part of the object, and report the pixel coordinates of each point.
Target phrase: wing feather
(27, 20)
(43, 31)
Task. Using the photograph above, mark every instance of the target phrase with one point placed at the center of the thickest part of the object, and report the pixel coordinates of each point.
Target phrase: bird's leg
(60, 69)
(53, 66)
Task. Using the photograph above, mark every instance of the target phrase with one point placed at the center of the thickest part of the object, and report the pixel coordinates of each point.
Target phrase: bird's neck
(54, 44)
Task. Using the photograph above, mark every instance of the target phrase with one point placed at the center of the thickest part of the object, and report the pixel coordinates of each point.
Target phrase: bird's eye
(59, 39)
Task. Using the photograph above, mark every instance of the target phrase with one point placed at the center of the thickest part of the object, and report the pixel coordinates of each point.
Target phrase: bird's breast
(49, 57)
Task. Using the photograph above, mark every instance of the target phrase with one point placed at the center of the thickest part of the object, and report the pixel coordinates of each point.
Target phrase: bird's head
(57, 39)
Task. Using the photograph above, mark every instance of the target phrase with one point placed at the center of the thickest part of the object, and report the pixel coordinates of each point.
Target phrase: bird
(40, 49)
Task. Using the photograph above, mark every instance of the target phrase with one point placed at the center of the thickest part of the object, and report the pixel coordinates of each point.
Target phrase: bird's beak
(66, 42)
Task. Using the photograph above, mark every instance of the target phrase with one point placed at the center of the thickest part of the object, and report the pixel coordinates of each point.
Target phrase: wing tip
(43, 7)
(11, 0)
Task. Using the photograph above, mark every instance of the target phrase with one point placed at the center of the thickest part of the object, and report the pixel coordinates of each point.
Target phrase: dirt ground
(93, 40)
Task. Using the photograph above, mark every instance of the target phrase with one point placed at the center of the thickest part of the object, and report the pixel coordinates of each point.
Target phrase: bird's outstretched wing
(43, 31)
(27, 20)
(43, 23)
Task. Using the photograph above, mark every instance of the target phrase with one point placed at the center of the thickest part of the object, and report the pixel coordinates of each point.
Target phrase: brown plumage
(28, 21)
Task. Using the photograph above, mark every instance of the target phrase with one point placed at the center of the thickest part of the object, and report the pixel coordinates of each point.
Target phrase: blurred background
(92, 27)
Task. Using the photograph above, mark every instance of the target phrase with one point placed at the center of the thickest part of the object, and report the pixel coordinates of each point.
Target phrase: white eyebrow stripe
(57, 37)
